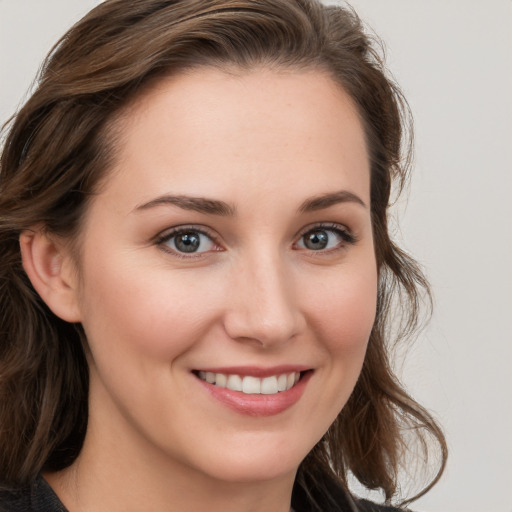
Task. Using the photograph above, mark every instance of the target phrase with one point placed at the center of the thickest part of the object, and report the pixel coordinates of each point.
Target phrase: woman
(196, 271)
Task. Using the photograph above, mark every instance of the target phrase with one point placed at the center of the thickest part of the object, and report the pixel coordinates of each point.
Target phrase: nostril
(264, 310)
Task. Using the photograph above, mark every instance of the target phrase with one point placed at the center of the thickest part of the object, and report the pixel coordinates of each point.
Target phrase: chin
(253, 472)
(258, 461)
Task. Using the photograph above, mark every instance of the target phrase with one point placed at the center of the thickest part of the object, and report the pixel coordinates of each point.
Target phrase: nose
(263, 306)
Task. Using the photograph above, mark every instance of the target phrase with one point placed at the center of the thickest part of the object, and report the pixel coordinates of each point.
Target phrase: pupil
(316, 240)
(187, 242)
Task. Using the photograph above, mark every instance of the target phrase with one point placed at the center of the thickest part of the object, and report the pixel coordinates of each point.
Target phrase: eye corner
(325, 238)
(187, 242)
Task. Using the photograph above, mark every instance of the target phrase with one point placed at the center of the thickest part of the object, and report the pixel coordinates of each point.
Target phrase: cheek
(140, 312)
(344, 311)
(341, 314)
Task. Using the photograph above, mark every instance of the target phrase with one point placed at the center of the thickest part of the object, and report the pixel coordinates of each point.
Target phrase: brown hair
(57, 149)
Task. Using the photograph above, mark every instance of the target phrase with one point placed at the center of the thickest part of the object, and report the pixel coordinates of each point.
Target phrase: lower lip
(258, 404)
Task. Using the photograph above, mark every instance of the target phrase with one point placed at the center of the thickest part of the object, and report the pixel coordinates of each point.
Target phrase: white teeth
(234, 383)
(282, 382)
(221, 380)
(269, 386)
(252, 385)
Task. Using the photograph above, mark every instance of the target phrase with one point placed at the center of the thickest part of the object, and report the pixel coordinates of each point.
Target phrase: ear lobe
(50, 269)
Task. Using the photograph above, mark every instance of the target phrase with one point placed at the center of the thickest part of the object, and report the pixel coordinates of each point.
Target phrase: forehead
(206, 130)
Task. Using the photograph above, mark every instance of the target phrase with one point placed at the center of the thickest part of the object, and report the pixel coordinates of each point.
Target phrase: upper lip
(255, 371)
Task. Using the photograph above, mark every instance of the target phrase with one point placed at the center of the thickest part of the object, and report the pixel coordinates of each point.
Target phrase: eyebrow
(198, 204)
(216, 207)
(330, 199)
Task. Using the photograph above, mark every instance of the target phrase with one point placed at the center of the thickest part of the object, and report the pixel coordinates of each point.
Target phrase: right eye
(187, 241)
(325, 238)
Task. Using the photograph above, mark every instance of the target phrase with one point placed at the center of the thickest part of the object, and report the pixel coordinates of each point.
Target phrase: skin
(264, 142)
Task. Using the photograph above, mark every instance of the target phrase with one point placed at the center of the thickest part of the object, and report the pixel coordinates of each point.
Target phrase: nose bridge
(263, 304)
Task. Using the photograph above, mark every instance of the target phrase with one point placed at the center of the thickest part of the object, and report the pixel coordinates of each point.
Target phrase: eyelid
(165, 235)
(349, 238)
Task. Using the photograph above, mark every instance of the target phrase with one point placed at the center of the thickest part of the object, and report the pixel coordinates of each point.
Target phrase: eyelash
(346, 236)
(162, 239)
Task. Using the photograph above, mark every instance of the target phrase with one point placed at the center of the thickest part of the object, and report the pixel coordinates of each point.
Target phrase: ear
(50, 268)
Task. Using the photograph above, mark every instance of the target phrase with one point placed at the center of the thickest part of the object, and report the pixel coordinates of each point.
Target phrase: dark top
(39, 497)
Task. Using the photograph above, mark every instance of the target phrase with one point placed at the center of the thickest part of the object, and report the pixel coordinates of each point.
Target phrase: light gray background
(453, 60)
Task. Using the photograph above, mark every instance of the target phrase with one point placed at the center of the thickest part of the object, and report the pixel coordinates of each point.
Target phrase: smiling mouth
(250, 385)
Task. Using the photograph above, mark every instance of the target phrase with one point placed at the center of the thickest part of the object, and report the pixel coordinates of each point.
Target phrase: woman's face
(231, 248)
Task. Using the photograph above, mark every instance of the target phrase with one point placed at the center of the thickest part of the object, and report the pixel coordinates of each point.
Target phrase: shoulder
(35, 497)
(15, 500)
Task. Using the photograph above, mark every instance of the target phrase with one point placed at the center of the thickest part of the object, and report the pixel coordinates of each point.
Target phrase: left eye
(320, 239)
(188, 241)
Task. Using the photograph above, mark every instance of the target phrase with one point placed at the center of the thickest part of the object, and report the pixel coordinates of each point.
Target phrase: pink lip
(257, 405)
